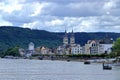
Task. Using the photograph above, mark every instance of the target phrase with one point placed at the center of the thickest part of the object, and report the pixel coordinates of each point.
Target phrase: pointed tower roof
(72, 34)
(65, 33)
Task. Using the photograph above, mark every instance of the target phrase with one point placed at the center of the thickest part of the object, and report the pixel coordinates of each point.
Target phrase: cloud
(10, 6)
(4, 23)
(81, 24)
(56, 15)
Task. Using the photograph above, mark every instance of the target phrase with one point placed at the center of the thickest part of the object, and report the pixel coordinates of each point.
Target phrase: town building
(69, 47)
(31, 46)
(43, 50)
(29, 51)
(22, 52)
(92, 47)
(106, 45)
(98, 46)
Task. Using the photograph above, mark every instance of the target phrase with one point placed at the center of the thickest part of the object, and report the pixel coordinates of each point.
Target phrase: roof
(106, 41)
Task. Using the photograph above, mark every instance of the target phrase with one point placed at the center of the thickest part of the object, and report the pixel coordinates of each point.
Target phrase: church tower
(65, 38)
(72, 38)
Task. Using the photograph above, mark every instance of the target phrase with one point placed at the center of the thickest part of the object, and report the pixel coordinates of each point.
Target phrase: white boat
(107, 67)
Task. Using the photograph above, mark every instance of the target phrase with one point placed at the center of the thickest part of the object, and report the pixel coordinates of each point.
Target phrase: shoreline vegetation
(96, 58)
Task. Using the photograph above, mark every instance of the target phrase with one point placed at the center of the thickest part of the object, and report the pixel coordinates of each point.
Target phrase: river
(24, 69)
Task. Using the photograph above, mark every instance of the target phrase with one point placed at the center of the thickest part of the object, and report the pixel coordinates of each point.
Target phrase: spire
(65, 33)
(65, 38)
(72, 38)
(65, 30)
(72, 35)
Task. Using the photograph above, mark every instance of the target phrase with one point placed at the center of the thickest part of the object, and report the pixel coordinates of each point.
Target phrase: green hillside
(16, 36)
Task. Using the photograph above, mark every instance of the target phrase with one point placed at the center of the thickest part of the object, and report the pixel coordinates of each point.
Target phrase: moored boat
(106, 67)
(87, 62)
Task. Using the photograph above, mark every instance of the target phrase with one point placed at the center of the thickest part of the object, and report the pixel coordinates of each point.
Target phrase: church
(69, 46)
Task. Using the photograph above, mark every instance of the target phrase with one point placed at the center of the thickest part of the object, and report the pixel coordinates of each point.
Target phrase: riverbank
(64, 58)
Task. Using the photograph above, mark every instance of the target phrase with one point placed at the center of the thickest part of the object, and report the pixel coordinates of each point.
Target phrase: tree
(116, 47)
(12, 52)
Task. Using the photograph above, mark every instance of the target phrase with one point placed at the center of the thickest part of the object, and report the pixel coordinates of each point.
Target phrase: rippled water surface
(23, 69)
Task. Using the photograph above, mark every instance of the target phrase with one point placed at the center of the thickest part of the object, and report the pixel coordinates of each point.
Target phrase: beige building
(86, 49)
(43, 50)
(65, 38)
(92, 47)
(21, 51)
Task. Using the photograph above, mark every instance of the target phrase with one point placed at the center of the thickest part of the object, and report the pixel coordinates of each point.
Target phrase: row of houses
(91, 47)
(71, 47)
(32, 50)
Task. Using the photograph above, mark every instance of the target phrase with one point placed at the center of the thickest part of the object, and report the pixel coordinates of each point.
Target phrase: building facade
(106, 45)
(98, 46)
(69, 47)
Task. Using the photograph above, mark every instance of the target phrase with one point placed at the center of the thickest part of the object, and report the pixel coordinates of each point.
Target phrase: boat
(68, 60)
(40, 57)
(87, 62)
(106, 66)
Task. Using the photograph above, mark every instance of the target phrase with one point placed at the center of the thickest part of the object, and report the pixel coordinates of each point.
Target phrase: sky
(58, 15)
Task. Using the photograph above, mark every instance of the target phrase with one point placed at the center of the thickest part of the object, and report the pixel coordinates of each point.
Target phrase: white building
(27, 52)
(106, 45)
(77, 49)
(31, 46)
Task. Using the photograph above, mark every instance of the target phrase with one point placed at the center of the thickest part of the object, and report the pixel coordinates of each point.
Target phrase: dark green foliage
(16, 36)
(116, 47)
(112, 54)
(11, 52)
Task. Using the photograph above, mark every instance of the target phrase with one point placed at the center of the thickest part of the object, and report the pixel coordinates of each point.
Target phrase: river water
(23, 69)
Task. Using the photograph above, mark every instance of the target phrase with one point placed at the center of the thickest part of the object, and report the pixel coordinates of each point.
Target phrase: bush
(12, 52)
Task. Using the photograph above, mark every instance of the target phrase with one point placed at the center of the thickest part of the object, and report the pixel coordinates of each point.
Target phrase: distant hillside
(16, 36)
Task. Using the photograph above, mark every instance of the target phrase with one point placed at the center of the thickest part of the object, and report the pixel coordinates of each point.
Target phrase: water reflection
(21, 69)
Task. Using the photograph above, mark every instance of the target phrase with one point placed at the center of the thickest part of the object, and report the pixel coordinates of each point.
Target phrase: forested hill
(16, 36)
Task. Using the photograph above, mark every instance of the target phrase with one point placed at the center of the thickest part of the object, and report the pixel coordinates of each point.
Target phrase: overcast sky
(56, 15)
